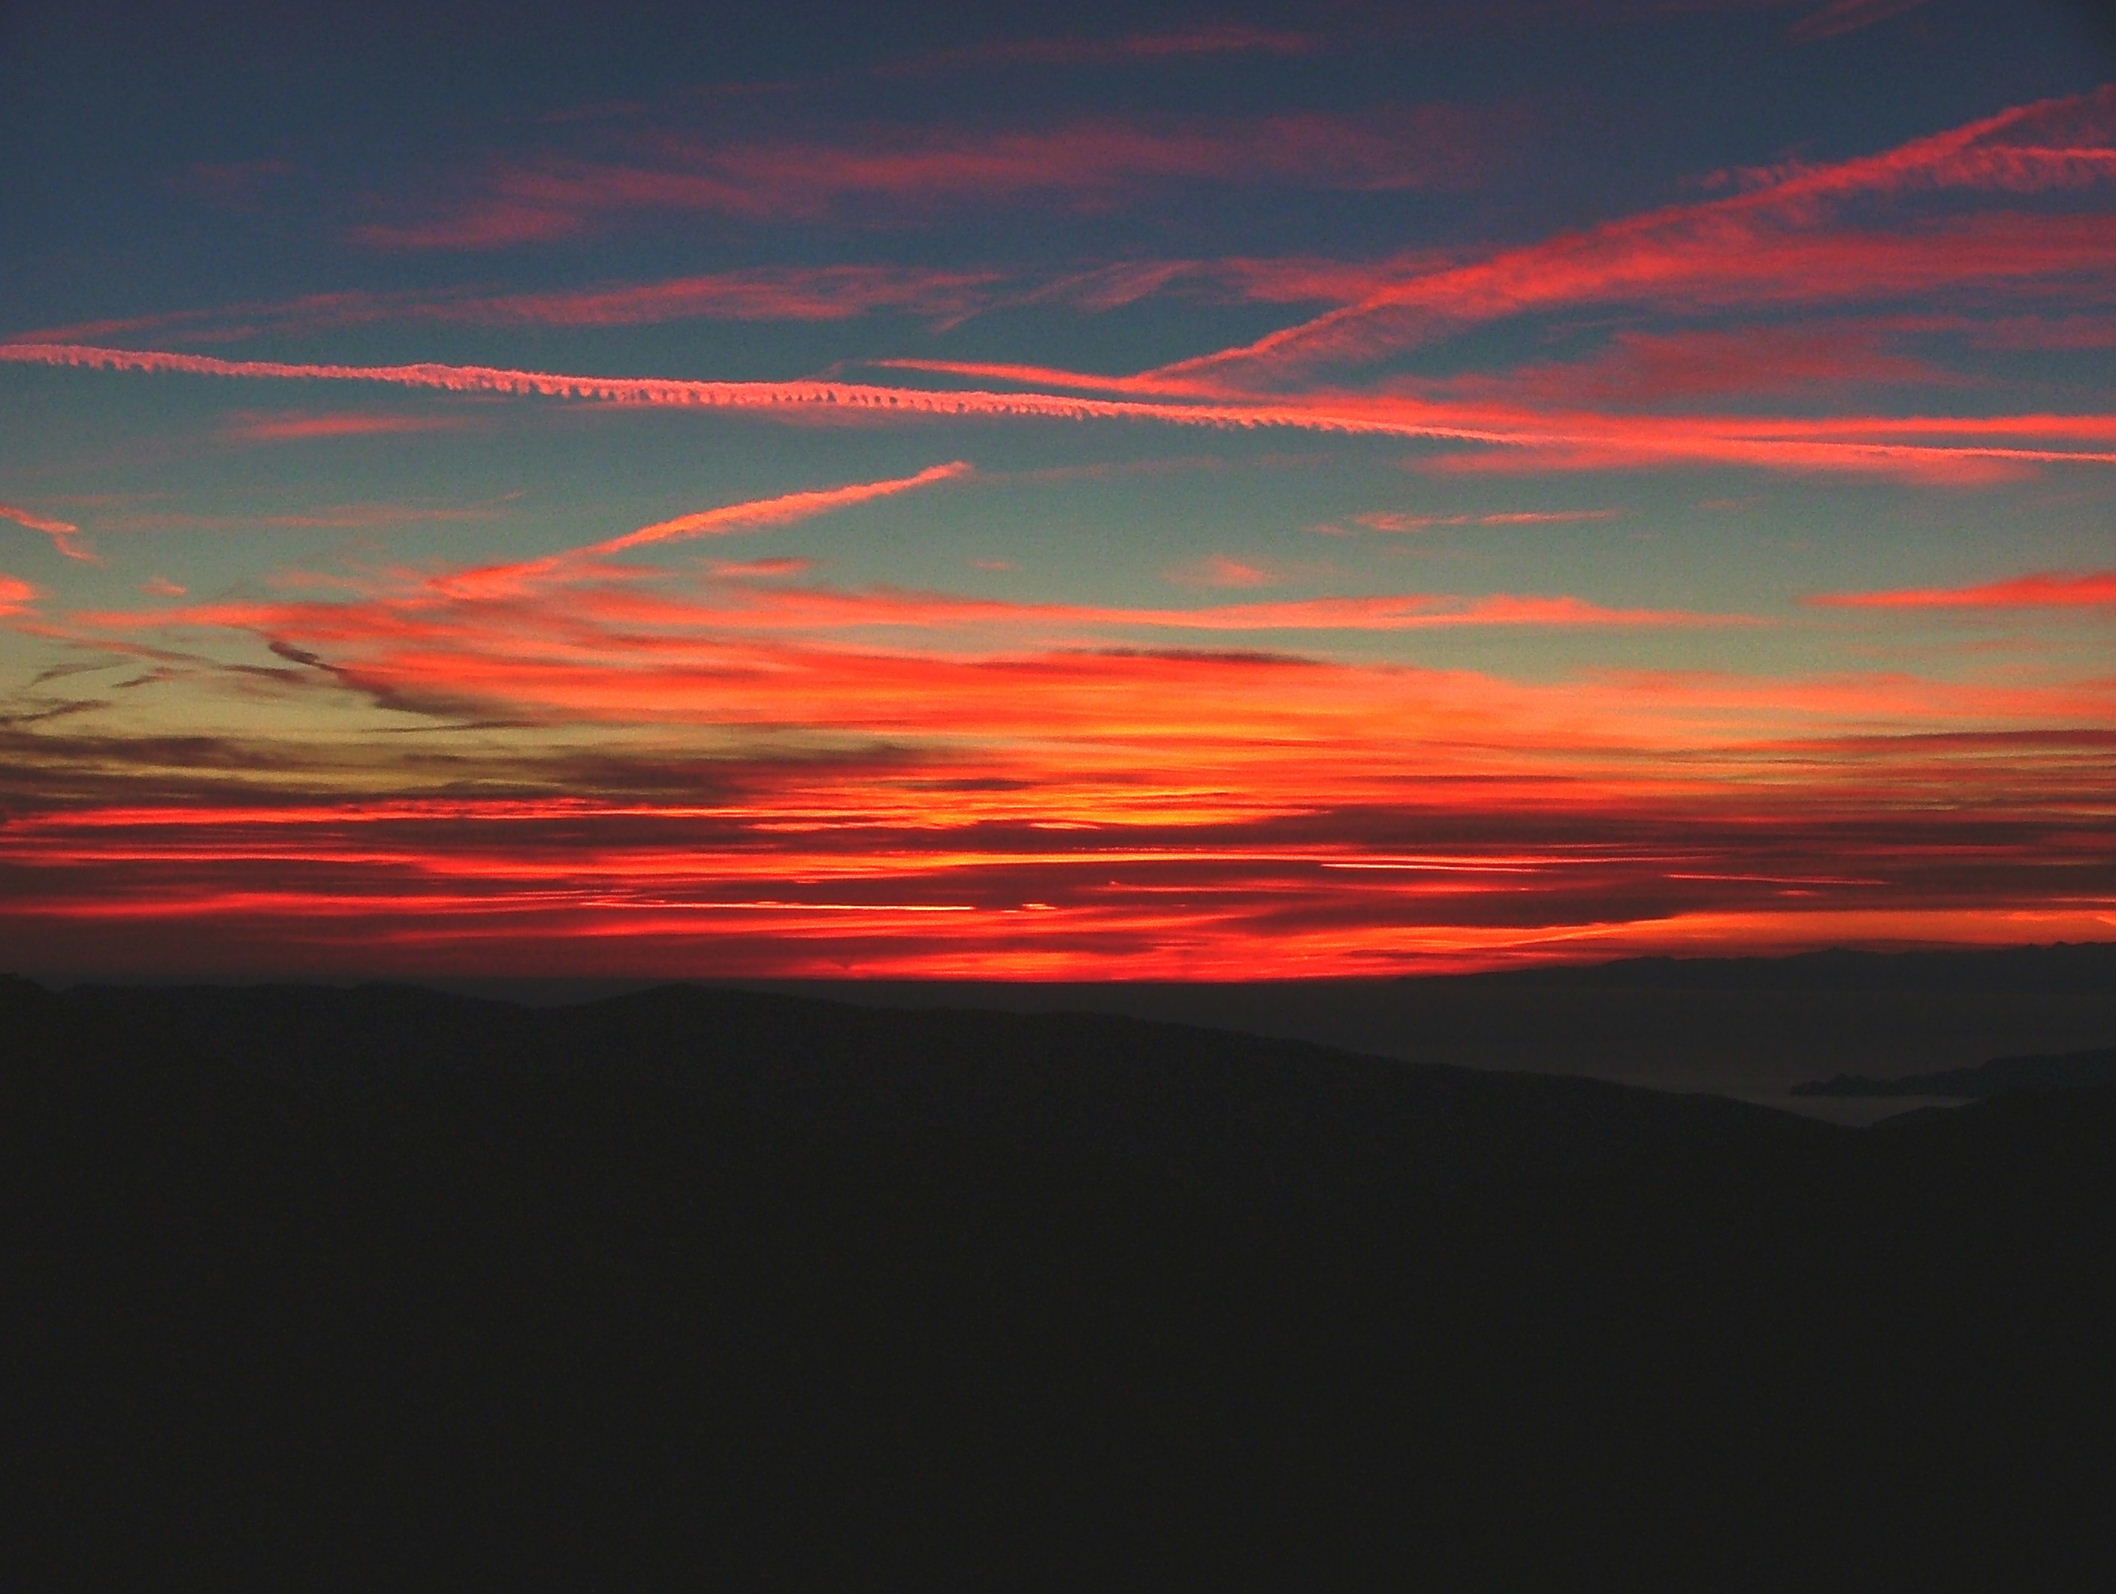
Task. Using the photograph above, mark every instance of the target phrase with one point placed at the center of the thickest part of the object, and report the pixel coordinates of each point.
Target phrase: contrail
(753, 515)
(753, 395)
(1761, 443)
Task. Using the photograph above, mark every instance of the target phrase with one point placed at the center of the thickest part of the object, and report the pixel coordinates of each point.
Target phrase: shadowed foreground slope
(385, 1288)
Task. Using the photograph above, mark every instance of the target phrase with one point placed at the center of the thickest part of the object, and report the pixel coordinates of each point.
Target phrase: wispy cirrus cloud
(64, 534)
(16, 595)
(1638, 369)
(770, 568)
(726, 520)
(1780, 239)
(1846, 16)
(814, 293)
(2043, 589)
(1396, 521)
(894, 173)
(233, 185)
(824, 609)
(305, 428)
(943, 295)
(1204, 39)
(1217, 570)
(784, 293)
(373, 516)
(227, 323)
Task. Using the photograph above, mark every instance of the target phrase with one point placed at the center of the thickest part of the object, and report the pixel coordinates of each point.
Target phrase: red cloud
(2050, 589)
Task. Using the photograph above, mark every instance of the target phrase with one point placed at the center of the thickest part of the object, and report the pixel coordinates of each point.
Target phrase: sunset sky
(1052, 492)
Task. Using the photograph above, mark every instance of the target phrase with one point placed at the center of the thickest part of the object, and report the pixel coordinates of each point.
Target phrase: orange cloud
(16, 595)
(2049, 589)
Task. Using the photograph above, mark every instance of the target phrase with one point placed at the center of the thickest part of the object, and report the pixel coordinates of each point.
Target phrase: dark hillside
(1750, 1027)
(385, 1288)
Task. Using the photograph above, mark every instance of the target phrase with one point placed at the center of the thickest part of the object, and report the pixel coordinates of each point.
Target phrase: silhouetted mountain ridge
(1998, 1077)
(2062, 966)
(327, 1288)
(1747, 1027)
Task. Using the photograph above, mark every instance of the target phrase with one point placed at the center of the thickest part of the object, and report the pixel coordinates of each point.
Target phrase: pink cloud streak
(2048, 589)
